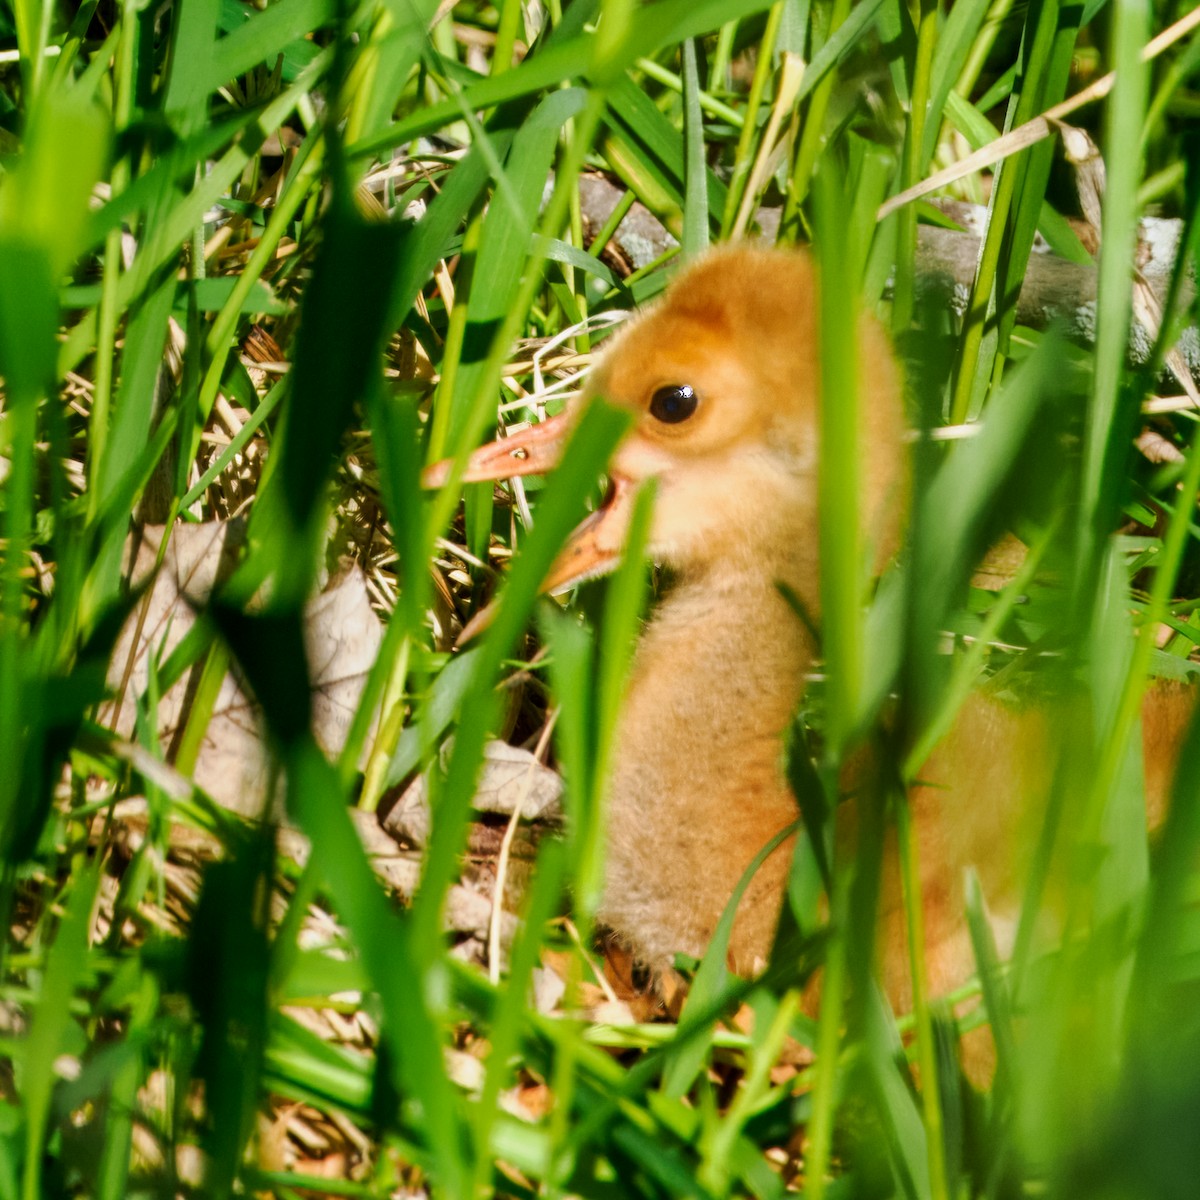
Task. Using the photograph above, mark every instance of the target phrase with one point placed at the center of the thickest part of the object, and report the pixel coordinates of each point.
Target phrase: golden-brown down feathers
(698, 787)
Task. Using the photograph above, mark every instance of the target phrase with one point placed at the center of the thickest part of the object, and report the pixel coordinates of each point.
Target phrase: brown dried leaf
(1156, 448)
(1084, 155)
(1001, 564)
(510, 778)
(342, 635)
(549, 988)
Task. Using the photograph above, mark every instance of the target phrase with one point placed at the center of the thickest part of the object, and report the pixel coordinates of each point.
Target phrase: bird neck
(753, 579)
(726, 631)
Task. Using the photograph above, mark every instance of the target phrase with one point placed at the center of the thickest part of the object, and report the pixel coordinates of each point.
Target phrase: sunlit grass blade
(952, 519)
(1016, 203)
(1123, 122)
(695, 207)
(504, 244)
(261, 37)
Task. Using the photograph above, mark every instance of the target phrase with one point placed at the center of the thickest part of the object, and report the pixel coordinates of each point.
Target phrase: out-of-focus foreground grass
(265, 264)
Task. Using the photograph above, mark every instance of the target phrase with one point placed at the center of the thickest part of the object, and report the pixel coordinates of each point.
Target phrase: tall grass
(391, 192)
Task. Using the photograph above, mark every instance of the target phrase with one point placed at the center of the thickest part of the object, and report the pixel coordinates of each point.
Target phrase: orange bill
(595, 547)
(532, 451)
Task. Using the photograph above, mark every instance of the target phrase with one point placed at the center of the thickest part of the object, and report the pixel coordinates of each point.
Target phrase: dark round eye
(673, 403)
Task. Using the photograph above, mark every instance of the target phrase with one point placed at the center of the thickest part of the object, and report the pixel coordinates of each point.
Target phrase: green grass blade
(695, 206)
(67, 963)
(1123, 122)
(258, 40)
(561, 506)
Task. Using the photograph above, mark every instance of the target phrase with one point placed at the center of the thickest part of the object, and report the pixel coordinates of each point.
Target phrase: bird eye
(673, 403)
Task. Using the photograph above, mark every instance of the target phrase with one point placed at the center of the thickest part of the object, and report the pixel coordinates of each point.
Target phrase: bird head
(722, 377)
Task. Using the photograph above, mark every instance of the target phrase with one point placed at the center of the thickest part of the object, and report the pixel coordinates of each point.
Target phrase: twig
(510, 832)
(1036, 129)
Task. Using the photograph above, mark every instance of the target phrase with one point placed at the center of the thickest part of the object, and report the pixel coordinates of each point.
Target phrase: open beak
(595, 547)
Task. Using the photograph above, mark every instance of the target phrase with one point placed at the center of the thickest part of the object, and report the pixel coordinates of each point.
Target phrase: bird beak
(533, 451)
(595, 547)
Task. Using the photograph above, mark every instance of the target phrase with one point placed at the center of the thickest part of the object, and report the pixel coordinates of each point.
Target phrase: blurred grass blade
(996, 997)
(1123, 163)
(193, 36)
(695, 206)
(952, 519)
(260, 37)
(512, 1000)
(626, 600)
(840, 528)
(32, 19)
(43, 211)
(67, 962)
(693, 1041)
(595, 436)
(347, 301)
(227, 978)
(384, 64)
(393, 961)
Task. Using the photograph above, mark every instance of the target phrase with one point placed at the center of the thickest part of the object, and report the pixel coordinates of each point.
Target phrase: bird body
(723, 379)
(698, 785)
